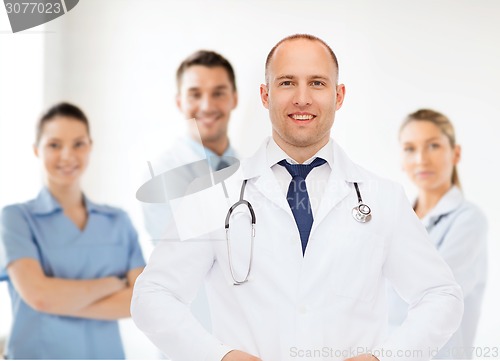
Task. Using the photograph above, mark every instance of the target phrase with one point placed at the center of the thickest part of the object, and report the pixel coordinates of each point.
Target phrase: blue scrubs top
(108, 246)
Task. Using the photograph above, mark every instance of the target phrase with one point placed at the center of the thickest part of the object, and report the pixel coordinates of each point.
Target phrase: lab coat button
(302, 309)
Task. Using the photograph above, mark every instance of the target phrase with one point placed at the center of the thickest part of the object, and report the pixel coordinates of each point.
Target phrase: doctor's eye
(194, 96)
(434, 145)
(318, 83)
(286, 83)
(219, 94)
(54, 145)
(80, 144)
(408, 149)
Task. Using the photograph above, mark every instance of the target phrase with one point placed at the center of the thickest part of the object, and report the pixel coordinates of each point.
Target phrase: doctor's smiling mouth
(302, 118)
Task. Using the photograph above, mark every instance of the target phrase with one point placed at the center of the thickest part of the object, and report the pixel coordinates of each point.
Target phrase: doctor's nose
(67, 153)
(421, 156)
(302, 96)
(206, 104)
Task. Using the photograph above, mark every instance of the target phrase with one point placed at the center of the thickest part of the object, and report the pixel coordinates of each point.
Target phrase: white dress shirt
(316, 180)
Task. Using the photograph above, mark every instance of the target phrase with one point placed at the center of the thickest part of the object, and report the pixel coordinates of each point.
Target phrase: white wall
(117, 60)
(21, 95)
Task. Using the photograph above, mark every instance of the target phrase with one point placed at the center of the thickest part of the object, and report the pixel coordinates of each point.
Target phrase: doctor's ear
(264, 95)
(35, 150)
(178, 101)
(457, 154)
(340, 95)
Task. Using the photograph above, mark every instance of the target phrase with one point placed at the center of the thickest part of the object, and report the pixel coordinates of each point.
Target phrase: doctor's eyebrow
(217, 87)
(319, 77)
(55, 139)
(285, 77)
(310, 77)
(433, 139)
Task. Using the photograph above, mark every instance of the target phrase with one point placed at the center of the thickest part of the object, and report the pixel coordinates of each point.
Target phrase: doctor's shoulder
(182, 151)
(472, 210)
(469, 215)
(113, 213)
(17, 214)
(379, 185)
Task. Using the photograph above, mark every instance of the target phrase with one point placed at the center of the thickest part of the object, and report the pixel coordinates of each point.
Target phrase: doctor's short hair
(207, 58)
(62, 109)
(443, 123)
(295, 37)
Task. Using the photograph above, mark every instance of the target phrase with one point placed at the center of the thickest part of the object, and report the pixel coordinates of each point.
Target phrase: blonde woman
(457, 227)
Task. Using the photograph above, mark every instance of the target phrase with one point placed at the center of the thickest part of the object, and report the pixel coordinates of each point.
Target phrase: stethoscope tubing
(361, 213)
(240, 202)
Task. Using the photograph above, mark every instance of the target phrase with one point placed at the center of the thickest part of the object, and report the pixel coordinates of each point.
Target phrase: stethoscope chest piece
(362, 213)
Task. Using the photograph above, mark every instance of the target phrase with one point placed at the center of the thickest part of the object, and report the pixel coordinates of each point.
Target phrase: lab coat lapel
(256, 167)
(344, 172)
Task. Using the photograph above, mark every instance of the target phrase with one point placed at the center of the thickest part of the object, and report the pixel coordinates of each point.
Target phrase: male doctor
(206, 96)
(316, 288)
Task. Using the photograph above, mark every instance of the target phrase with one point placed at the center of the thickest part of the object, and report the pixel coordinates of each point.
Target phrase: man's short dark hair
(207, 58)
(295, 37)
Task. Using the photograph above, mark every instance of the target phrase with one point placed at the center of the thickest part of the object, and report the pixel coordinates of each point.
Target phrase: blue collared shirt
(108, 246)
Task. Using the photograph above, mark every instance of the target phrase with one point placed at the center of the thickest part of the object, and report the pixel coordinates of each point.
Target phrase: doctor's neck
(218, 146)
(69, 196)
(428, 199)
(300, 151)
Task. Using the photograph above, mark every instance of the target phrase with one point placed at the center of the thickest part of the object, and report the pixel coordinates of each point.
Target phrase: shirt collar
(204, 152)
(448, 203)
(276, 154)
(45, 203)
(339, 162)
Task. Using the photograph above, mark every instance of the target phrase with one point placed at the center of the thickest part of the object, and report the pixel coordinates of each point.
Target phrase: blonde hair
(443, 123)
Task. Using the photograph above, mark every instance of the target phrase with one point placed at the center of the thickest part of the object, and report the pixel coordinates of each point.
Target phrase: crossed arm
(106, 298)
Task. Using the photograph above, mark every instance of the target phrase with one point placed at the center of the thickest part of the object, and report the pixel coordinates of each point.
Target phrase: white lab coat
(458, 229)
(327, 305)
(158, 216)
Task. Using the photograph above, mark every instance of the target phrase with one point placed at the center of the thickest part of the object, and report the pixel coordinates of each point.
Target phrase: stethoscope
(361, 213)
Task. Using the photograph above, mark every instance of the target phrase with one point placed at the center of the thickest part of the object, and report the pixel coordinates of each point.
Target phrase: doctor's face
(427, 156)
(64, 149)
(302, 94)
(206, 94)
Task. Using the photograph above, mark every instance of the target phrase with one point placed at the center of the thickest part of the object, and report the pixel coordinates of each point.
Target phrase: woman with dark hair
(71, 263)
(457, 227)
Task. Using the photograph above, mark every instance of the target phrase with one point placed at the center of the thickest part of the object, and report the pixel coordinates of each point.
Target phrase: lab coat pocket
(357, 265)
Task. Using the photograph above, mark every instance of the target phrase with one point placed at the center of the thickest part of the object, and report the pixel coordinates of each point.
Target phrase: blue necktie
(298, 198)
(222, 164)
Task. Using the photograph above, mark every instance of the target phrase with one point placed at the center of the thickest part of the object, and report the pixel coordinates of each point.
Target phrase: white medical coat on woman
(329, 304)
(458, 229)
